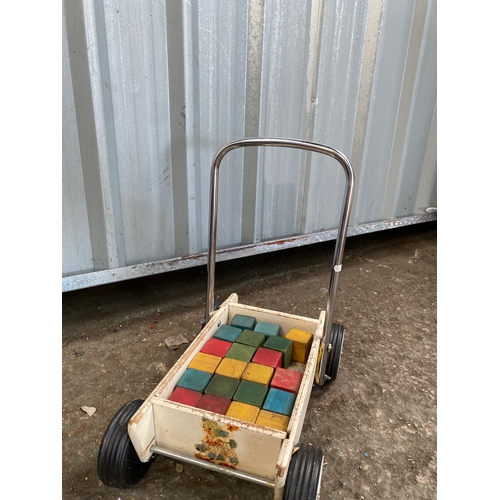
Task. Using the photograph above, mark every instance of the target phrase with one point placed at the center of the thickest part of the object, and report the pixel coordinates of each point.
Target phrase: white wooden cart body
(176, 430)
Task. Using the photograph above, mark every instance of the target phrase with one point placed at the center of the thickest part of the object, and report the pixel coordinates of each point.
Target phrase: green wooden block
(268, 329)
(222, 386)
(251, 338)
(241, 351)
(243, 322)
(283, 345)
(250, 393)
(228, 333)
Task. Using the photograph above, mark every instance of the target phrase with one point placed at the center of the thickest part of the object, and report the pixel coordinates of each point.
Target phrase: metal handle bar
(344, 219)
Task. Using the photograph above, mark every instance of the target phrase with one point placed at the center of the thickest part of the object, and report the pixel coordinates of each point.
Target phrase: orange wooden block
(243, 411)
(301, 344)
(261, 374)
(205, 362)
(230, 367)
(273, 420)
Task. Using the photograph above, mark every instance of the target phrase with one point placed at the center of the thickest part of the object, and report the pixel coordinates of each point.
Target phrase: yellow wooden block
(301, 344)
(243, 411)
(230, 367)
(260, 374)
(273, 420)
(205, 362)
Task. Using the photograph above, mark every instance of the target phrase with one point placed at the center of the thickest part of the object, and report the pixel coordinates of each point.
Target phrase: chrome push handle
(344, 219)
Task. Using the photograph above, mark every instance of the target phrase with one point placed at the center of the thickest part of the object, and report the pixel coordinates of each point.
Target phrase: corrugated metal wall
(153, 89)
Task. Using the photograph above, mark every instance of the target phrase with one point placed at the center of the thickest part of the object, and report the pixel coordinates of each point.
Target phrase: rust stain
(218, 445)
(281, 470)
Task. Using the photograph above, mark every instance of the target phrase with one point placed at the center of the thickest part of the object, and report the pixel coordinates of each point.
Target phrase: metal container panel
(153, 89)
(76, 251)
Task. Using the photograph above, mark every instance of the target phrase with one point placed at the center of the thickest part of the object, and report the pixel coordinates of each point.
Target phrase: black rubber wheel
(303, 480)
(333, 360)
(117, 463)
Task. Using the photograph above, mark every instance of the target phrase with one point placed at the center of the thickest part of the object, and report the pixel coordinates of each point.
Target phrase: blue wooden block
(243, 322)
(195, 380)
(268, 329)
(228, 333)
(279, 402)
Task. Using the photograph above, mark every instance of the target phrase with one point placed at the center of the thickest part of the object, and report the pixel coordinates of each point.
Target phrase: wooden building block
(243, 322)
(286, 380)
(279, 402)
(222, 386)
(205, 362)
(282, 345)
(196, 380)
(250, 393)
(301, 344)
(185, 396)
(216, 347)
(241, 351)
(268, 329)
(273, 420)
(214, 403)
(267, 357)
(251, 338)
(227, 333)
(230, 367)
(260, 374)
(242, 411)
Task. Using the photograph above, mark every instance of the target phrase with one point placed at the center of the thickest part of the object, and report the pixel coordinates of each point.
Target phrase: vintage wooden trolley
(268, 455)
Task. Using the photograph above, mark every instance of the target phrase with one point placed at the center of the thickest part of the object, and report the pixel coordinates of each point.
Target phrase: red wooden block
(214, 403)
(267, 357)
(216, 347)
(286, 380)
(185, 396)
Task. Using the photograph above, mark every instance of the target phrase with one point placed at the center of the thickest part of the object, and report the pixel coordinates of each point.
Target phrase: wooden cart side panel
(287, 321)
(300, 407)
(141, 430)
(299, 412)
(222, 440)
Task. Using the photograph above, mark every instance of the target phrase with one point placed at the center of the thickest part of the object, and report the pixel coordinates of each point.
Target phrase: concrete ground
(376, 424)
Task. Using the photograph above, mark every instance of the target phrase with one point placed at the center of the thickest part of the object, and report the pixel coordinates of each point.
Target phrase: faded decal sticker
(218, 445)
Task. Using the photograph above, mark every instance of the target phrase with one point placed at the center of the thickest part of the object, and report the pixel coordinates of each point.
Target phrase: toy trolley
(257, 442)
